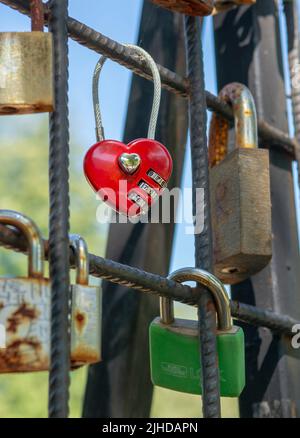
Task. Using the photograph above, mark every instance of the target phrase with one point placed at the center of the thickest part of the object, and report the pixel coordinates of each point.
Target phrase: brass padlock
(188, 7)
(26, 68)
(224, 5)
(25, 306)
(86, 304)
(239, 191)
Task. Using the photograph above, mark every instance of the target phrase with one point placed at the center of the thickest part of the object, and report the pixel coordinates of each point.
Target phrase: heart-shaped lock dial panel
(129, 178)
(129, 162)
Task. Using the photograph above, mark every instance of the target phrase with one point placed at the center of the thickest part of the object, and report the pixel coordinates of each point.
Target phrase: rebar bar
(210, 378)
(59, 218)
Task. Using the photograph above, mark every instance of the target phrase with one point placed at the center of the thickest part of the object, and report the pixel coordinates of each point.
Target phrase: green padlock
(174, 343)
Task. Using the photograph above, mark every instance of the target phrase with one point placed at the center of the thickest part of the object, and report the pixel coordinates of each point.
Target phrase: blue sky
(119, 20)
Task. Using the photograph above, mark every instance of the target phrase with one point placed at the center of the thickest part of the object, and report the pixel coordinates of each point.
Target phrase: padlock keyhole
(230, 270)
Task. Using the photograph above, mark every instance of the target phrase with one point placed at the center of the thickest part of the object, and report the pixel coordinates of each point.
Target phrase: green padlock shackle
(239, 97)
(213, 284)
(80, 248)
(33, 236)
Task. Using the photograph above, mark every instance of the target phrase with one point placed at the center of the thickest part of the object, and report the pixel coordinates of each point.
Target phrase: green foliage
(169, 404)
(25, 395)
(24, 187)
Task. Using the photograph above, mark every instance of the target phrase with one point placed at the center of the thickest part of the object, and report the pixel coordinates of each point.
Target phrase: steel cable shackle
(156, 96)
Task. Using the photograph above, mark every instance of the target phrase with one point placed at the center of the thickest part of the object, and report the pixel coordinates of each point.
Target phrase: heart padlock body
(175, 357)
(104, 173)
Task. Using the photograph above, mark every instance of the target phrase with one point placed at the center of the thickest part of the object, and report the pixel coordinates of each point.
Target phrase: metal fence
(57, 247)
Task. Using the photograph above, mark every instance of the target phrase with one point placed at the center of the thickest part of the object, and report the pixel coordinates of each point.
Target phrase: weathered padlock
(26, 81)
(86, 310)
(174, 343)
(239, 191)
(188, 7)
(224, 5)
(25, 306)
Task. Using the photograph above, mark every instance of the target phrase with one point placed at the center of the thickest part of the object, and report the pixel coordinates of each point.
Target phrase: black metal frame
(55, 13)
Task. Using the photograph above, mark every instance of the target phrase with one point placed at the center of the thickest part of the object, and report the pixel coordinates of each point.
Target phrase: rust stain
(24, 312)
(83, 355)
(23, 355)
(1, 305)
(188, 7)
(26, 108)
(248, 112)
(80, 320)
(218, 139)
(238, 98)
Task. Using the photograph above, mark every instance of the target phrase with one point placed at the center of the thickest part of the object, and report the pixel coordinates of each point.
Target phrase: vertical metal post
(59, 217)
(120, 386)
(248, 50)
(203, 240)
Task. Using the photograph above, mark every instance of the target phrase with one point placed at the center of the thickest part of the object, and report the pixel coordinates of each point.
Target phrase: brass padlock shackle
(245, 122)
(213, 284)
(37, 15)
(33, 236)
(80, 248)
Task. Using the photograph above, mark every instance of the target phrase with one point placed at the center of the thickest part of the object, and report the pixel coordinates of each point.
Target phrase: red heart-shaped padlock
(129, 178)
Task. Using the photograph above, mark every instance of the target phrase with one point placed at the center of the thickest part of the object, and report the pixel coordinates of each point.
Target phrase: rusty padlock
(224, 5)
(239, 191)
(25, 306)
(26, 68)
(188, 7)
(86, 304)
